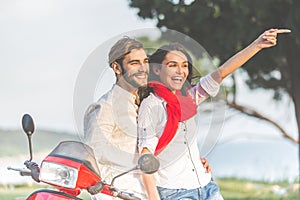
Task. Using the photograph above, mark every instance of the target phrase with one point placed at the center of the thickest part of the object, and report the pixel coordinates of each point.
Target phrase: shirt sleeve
(95, 123)
(206, 87)
(90, 123)
(148, 118)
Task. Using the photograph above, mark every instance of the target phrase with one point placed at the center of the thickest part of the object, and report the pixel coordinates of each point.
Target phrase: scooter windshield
(78, 152)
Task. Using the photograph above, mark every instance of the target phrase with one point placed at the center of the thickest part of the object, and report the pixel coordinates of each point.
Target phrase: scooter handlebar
(127, 196)
(110, 190)
(32, 170)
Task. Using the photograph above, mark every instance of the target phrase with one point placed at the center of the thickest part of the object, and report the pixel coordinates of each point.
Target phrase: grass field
(232, 189)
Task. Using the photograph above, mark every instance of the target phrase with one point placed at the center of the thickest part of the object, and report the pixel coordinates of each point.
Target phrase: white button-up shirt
(110, 128)
(180, 160)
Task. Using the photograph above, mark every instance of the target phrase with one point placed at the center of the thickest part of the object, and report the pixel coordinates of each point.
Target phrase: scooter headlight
(58, 174)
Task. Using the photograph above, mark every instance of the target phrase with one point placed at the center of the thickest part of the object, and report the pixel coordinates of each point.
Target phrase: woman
(165, 124)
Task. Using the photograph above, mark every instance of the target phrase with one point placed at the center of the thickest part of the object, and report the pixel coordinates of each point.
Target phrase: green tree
(225, 26)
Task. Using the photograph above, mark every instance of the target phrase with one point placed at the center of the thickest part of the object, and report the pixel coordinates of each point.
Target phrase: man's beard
(130, 79)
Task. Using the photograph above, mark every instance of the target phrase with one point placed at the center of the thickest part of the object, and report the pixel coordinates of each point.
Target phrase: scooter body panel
(50, 195)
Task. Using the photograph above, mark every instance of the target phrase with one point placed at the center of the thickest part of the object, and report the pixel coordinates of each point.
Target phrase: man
(110, 124)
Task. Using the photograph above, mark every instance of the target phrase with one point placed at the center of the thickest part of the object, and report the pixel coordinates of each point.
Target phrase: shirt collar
(122, 93)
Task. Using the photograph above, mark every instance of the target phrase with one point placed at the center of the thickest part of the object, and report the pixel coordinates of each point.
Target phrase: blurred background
(44, 45)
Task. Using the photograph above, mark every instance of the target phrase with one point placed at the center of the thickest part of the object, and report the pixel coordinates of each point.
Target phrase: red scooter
(71, 167)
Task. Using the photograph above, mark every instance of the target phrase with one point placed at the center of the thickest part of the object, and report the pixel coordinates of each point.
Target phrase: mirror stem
(30, 146)
(113, 180)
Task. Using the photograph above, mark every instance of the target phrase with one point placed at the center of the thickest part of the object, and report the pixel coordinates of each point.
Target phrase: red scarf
(179, 108)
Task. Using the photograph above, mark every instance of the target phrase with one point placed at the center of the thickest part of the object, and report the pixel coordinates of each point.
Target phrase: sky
(44, 44)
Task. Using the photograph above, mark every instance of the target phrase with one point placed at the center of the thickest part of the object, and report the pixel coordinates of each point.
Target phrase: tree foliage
(224, 27)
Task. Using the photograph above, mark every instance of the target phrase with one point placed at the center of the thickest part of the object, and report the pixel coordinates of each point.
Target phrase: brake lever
(124, 195)
(23, 172)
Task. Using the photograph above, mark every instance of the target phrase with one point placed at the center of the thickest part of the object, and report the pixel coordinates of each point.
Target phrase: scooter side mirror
(27, 124)
(148, 163)
(28, 127)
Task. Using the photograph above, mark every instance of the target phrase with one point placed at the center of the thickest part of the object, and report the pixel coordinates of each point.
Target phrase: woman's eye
(173, 65)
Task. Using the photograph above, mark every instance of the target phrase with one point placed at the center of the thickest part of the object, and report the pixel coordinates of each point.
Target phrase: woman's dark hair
(157, 58)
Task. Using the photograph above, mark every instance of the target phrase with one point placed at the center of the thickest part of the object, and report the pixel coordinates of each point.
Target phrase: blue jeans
(210, 192)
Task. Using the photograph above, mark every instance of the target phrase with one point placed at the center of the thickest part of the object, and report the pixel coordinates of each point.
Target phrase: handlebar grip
(25, 173)
(95, 189)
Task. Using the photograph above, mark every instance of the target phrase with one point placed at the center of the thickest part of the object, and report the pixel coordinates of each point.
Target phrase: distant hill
(14, 142)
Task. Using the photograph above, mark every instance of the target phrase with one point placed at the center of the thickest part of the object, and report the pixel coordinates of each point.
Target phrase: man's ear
(116, 67)
(156, 69)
